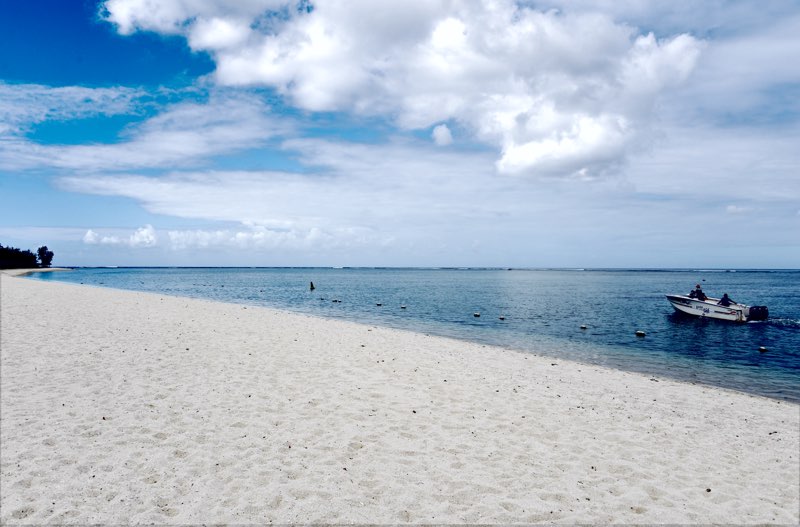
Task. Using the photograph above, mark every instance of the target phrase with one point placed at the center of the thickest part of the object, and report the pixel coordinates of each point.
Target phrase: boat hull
(708, 308)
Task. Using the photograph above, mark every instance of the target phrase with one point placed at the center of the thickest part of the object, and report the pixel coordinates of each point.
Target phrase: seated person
(699, 294)
(725, 300)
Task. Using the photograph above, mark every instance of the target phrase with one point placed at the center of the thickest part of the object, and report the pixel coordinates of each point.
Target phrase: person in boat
(698, 293)
(725, 301)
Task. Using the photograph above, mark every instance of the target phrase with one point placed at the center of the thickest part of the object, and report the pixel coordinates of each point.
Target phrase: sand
(120, 407)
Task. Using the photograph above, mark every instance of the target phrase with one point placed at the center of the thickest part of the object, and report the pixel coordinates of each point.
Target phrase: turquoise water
(543, 312)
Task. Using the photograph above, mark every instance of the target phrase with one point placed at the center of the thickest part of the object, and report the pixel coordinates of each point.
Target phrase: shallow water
(543, 312)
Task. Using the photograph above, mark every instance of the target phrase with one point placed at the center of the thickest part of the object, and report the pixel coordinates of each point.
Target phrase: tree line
(13, 258)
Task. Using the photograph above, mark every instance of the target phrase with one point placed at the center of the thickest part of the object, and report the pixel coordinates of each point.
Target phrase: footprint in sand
(276, 502)
(24, 483)
(21, 514)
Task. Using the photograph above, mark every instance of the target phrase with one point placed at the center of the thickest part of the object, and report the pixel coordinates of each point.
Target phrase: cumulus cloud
(441, 135)
(141, 237)
(91, 237)
(556, 93)
(247, 236)
(170, 17)
(262, 237)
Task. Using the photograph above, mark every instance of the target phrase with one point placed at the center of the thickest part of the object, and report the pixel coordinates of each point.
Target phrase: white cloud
(91, 237)
(261, 237)
(737, 209)
(339, 194)
(556, 93)
(184, 133)
(719, 166)
(24, 105)
(247, 236)
(171, 17)
(441, 135)
(721, 17)
(141, 237)
(745, 78)
(582, 150)
(573, 94)
(218, 33)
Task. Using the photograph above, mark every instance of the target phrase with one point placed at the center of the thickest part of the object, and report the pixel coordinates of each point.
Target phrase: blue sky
(418, 133)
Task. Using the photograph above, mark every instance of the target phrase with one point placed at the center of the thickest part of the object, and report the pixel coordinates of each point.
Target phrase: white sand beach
(121, 407)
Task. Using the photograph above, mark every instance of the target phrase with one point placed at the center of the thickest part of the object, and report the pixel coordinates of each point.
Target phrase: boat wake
(782, 322)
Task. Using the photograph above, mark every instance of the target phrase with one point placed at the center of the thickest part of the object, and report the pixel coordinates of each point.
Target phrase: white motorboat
(710, 308)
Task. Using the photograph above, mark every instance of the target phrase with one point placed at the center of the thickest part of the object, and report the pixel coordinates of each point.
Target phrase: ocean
(543, 311)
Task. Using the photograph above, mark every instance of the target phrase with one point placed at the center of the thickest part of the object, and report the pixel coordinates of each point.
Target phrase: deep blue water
(543, 311)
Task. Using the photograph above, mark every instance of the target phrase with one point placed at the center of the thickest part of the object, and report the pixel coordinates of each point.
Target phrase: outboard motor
(757, 313)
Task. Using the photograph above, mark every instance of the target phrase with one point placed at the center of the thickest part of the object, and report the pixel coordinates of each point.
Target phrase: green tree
(13, 258)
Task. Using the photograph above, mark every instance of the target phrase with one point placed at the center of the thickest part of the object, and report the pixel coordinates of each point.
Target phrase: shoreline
(26, 272)
(779, 389)
(659, 376)
(142, 407)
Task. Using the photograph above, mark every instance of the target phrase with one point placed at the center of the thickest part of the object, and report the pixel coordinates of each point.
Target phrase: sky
(475, 133)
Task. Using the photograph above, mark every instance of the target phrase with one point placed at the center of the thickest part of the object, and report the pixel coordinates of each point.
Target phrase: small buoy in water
(476, 315)
(501, 317)
(640, 333)
(762, 349)
(311, 287)
(583, 326)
